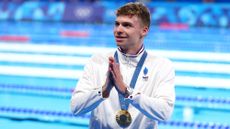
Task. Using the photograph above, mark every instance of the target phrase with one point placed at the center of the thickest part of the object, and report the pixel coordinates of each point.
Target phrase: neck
(136, 51)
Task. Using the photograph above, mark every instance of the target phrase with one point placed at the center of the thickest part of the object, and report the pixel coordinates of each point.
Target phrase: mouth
(119, 38)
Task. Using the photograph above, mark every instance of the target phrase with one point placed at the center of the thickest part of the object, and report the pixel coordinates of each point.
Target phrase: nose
(118, 30)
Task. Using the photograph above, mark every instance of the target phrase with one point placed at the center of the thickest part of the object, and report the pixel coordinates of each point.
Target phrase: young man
(127, 88)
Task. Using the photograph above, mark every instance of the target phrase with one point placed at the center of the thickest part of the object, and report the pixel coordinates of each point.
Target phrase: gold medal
(123, 118)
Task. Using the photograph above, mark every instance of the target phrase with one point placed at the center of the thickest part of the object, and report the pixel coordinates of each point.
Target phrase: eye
(116, 24)
(127, 25)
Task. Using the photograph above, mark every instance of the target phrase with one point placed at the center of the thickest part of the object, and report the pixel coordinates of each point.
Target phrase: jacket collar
(130, 60)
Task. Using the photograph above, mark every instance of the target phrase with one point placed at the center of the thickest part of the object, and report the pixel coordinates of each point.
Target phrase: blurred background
(44, 45)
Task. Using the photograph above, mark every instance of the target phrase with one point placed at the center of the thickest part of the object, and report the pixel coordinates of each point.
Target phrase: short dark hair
(135, 8)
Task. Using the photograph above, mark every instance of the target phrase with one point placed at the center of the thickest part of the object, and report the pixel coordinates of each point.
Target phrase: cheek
(134, 38)
(136, 35)
(114, 31)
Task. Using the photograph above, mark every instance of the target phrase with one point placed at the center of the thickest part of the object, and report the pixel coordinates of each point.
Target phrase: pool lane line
(69, 123)
(37, 88)
(89, 55)
(195, 125)
(41, 89)
(199, 125)
(84, 50)
(39, 112)
(81, 61)
(76, 74)
(42, 65)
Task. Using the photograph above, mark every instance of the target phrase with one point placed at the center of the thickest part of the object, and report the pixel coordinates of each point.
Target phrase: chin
(119, 44)
(123, 47)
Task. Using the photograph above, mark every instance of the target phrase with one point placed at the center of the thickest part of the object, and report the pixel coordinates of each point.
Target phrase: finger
(115, 67)
(111, 59)
(110, 64)
(112, 73)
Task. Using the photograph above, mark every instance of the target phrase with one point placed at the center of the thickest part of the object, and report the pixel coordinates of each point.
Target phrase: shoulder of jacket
(159, 59)
(100, 58)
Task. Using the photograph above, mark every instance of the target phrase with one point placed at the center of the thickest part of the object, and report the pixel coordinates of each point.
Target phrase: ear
(144, 31)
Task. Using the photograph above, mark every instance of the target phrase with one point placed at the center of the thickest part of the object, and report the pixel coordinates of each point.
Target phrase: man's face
(129, 31)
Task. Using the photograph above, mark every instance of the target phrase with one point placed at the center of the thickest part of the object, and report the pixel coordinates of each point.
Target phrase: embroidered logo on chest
(145, 76)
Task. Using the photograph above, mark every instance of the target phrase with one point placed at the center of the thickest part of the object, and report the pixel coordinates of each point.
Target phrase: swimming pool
(37, 77)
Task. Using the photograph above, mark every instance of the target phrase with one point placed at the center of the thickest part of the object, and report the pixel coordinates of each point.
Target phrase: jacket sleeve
(87, 95)
(160, 105)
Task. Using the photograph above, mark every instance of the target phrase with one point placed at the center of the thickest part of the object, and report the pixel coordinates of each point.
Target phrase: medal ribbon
(124, 104)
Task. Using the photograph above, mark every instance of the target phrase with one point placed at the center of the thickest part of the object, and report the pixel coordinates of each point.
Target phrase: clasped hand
(114, 79)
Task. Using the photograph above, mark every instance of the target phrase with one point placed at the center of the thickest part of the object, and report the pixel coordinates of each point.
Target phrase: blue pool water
(34, 99)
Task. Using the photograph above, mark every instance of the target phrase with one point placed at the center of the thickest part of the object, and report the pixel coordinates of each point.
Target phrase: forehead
(128, 18)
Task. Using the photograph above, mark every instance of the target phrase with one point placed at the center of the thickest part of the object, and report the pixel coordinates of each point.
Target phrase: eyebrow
(124, 22)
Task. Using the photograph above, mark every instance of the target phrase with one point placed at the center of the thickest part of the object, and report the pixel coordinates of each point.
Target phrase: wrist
(128, 92)
(105, 92)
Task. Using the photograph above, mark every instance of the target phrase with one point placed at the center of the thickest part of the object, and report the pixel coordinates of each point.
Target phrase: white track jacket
(152, 99)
